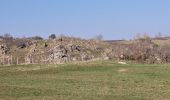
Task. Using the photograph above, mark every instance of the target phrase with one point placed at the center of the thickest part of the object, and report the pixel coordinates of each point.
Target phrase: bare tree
(98, 37)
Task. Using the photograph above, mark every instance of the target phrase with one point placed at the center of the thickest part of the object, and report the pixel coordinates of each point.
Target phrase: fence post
(45, 60)
(8, 61)
(32, 60)
(3, 60)
(17, 60)
(11, 60)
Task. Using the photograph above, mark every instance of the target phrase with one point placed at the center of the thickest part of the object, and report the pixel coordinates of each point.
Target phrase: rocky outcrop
(4, 49)
(70, 49)
(5, 58)
(67, 53)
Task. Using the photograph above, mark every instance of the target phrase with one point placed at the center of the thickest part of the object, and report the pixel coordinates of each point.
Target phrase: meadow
(102, 80)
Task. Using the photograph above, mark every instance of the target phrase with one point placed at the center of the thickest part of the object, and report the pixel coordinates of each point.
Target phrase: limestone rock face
(3, 49)
(69, 52)
(63, 50)
(5, 58)
(61, 53)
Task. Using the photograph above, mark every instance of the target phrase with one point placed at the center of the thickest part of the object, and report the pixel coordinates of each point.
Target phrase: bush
(52, 36)
(21, 45)
(141, 50)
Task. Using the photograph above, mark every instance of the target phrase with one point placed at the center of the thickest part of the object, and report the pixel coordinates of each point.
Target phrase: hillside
(71, 49)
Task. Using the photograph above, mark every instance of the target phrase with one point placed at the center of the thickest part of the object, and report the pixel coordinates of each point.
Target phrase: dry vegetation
(55, 50)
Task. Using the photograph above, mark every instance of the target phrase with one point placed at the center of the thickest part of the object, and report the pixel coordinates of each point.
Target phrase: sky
(114, 19)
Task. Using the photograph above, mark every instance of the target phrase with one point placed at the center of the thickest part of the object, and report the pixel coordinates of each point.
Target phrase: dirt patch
(123, 70)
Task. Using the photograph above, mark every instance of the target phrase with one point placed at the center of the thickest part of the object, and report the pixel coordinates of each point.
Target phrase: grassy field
(92, 81)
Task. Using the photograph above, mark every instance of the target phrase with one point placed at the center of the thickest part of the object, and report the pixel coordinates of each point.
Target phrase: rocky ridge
(70, 49)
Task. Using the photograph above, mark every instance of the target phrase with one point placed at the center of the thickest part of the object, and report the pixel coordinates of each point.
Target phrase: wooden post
(11, 60)
(3, 60)
(32, 60)
(17, 60)
(8, 61)
(45, 59)
(40, 59)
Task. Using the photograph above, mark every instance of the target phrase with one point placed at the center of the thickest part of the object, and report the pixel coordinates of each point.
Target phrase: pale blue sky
(114, 19)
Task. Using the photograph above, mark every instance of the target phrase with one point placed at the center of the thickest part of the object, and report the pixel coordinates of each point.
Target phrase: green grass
(92, 81)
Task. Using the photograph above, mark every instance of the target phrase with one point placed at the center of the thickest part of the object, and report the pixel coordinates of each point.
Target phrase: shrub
(52, 36)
